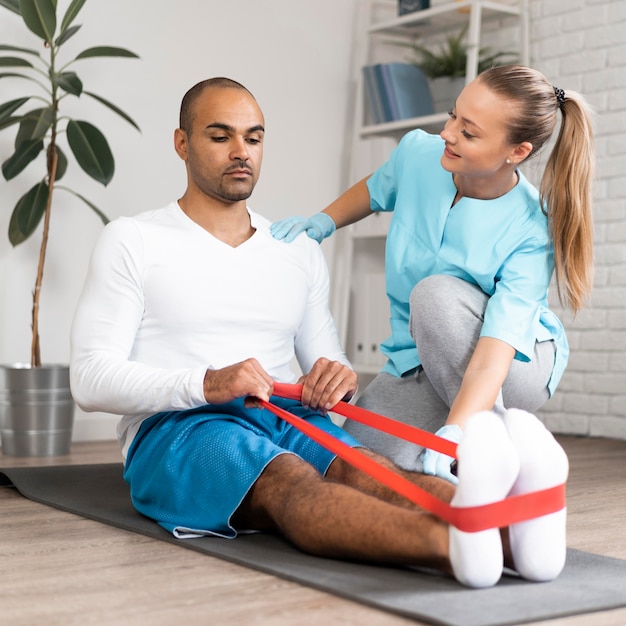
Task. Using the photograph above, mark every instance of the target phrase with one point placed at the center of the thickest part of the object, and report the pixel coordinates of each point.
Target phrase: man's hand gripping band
(511, 510)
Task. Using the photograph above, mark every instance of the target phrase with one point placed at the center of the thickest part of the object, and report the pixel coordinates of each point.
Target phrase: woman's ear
(522, 151)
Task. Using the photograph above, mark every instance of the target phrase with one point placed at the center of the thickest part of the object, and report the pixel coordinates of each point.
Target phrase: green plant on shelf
(450, 58)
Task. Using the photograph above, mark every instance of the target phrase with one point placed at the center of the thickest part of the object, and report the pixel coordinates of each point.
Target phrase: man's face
(224, 150)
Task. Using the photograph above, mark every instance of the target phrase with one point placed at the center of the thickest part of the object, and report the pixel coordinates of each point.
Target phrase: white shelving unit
(359, 301)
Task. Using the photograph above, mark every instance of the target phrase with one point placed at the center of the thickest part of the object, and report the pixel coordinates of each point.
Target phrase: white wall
(293, 56)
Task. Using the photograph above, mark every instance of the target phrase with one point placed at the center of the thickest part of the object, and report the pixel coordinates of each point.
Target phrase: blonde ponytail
(566, 190)
(566, 184)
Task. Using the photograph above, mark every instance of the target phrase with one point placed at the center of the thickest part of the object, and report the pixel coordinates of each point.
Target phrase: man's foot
(487, 468)
(538, 545)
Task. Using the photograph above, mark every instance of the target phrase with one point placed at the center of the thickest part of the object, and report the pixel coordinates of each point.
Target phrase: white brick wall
(579, 44)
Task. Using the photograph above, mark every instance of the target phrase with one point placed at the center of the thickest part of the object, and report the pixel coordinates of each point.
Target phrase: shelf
(432, 122)
(445, 16)
(473, 13)
(359, 306)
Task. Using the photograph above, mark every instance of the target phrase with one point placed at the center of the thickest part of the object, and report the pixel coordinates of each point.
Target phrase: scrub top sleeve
(513, 311)
(383, 183)
(417, 154)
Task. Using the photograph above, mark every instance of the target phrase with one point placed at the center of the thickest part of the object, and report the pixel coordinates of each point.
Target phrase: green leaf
(14, 62)
(26, 152)
(34, 125)
(71, 13)
(113, 108)
(8, 108)
(106, 51)
(93, 207)
(12, 5)
(18, 75)
(67, 34)
(9, 121)
(15, 75)
(40, 17)
(25, 132)
(91, 150)
(7, 48)
(28, 213)
(69, 82)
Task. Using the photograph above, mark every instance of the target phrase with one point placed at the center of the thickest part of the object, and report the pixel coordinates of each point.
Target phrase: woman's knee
(440, 292)
(428, 290)
(441, 305)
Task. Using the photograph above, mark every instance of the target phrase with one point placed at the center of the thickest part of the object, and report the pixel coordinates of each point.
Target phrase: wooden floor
(60, 569)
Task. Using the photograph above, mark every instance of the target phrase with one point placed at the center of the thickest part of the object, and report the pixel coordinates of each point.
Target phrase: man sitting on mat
(191, 311)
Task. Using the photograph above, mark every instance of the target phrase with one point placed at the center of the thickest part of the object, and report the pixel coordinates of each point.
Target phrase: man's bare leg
(330, 519)
(350, 515)
(345, 473)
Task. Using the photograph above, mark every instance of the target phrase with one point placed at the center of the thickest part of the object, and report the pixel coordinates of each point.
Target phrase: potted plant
(40, 129)
(446, 65)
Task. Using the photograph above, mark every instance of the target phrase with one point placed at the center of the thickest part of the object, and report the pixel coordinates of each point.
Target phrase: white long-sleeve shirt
(164, 301)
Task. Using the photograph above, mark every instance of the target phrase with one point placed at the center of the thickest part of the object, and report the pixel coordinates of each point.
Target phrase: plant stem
(53, 158)
(52, 161)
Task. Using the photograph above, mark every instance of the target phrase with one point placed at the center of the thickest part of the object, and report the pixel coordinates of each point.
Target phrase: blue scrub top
(501, 245)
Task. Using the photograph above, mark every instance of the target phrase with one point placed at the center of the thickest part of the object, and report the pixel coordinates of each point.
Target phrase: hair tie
(560, 96)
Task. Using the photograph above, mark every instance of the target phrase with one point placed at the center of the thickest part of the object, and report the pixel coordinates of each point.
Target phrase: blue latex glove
(437, 464)
(317, 227)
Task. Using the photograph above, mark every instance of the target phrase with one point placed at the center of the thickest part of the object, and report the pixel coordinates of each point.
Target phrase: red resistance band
(511, 510)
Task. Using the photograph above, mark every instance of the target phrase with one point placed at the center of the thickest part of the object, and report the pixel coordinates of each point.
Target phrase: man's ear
(181, 143)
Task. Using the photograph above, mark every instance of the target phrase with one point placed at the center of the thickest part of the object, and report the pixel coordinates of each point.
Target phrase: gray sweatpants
(446, 317)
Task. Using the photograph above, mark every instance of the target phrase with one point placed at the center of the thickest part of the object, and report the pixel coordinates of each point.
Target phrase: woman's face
(476, 134)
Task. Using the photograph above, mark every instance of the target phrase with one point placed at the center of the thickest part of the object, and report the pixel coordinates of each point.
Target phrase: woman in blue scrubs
(470, 254)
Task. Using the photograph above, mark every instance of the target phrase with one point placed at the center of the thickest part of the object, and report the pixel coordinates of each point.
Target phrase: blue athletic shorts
(190, 470)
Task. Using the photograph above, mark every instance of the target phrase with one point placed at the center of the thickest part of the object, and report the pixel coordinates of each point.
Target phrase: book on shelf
(389, 94)
(396, 91)
(373, 96)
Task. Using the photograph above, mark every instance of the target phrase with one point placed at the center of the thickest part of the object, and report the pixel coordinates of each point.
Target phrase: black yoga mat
(588, 583)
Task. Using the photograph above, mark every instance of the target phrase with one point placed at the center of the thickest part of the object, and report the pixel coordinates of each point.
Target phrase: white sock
(487, 468)
(538, 545)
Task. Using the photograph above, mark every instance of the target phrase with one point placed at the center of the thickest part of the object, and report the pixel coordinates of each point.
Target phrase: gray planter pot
(36, 410)
(444, 91)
